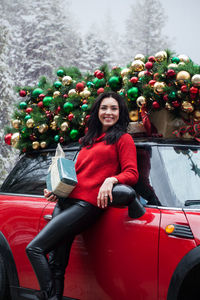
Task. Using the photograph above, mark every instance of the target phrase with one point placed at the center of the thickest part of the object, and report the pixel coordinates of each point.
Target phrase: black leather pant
(70, 217)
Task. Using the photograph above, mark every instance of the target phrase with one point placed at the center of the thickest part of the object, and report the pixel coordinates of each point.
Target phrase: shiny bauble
(60, 73)
(29, 110)
(184, 58)
(187, 107)
(159, 87)
(36, 92)
(64, 126)
(100, 91)
(182, 77)
(22, 93)
(90, 84)
(70, 116)
(196, 80)
(23, 105)
(43, 128)
(141, 101)
(155, 105)
(56, 94)
(67, 107)
(133, 79)
(35, 145)
(125, 72)
(57, 84)
(175, 60)
(16, 123)
(132, 93)
(56, 118)
(27, 117)
(53, 125)
(149, 65)
(56, 138)
(197, 115)
(99, 82)
(15, 139)
(79, 87)
(161, 56)
(47, 101)
(139, 57)
(137, 65)
(72, 92)
(168, 106)
(141, 74)
(86, 93)
(66, 80)
(172, 66)
(133, 115)
(73, 134)
(30, 123)
(114, 83)
(84, 107)
(43, 144)
(7, 138)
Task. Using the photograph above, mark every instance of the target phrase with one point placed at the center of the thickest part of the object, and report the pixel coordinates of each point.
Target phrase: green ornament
(99, 82)
(24, 132)
(60, 73)
(84, 107)
(27, 117)
(23, 105)
(56, 138)
(57, 84)
(36, 92)
(175, 60)
(132, 93)
(114, 83)
(90, 84)
(47, 100)
(73, 134)
(68, 106)
(172, 95)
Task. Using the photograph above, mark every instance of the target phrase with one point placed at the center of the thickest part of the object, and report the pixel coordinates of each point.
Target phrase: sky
(182, 24)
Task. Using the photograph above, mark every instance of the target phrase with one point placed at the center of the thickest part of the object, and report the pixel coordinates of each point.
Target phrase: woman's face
(108, 113)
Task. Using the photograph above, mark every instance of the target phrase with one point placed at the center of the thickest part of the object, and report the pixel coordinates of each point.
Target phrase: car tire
(3, 281)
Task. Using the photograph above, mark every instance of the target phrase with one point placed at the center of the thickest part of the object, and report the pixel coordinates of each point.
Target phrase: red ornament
(29, 110)
(48, 114)
(175, 103)
(133, 79)
(87, 118)
(86, 130)
(85, 101)
(22, 93)
(7, 138)
(165, 97)
(184, 88)
(32, 137)
(24, 150)
(65, 96)
(79, 86)
(156, 105)
(100, 90)
(95, 72)
(193, 90)
(152, 82)
(156, 76)
(70, 117)
(41, 97)
(170, 73)
(147, 73)
(40, 104)
(149, 65)
(99, 75)
(151, 59)
(61, 139)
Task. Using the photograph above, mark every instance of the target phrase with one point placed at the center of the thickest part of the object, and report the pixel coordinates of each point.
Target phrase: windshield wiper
(192, 202)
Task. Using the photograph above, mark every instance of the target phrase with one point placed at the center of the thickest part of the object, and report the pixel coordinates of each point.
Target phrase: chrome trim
(48, 217)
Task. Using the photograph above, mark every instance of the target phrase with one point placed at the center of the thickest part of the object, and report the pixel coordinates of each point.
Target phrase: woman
(107, 157)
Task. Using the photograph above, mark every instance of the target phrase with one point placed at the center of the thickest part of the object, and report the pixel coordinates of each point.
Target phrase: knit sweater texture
(102, 160)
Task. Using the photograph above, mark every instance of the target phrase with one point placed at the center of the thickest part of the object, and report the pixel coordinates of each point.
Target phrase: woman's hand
(105, 192)
(50, 196)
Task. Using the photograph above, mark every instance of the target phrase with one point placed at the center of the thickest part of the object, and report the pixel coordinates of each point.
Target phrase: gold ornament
(168, 106)
(139, 57)
(35, 145)
(15, 139)
(196, 80)
(179, 94)
(187, 107)
(43, 144)
(56, 94)
(160, 56)
(137, 65)
(125, 72)
(181, 64)
(125, 79)
(66, 80)
(159, 87)
(197, 115)
(141, 101)
(184, 58)
(87, 93)
(56, 118)
(72, 92)
(30, 123)
(172, 66)
(43, 128)
(133, 115)
(141, 74)
(64, 126)
(53, 125)
(16, 123)
(182, 76)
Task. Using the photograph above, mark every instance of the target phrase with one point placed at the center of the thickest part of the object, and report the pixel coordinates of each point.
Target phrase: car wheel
(3, 281)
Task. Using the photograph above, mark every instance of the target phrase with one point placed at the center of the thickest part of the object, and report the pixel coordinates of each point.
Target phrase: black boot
(42, 295)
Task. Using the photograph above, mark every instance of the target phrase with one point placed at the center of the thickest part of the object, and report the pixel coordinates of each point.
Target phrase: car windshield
(181, 168)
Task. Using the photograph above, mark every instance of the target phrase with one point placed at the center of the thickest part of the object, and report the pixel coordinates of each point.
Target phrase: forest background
(37, 37)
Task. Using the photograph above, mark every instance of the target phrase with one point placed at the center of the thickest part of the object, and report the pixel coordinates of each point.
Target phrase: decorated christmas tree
(58, 112)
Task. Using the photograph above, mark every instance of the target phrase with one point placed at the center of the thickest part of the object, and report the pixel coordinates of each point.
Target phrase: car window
(29, 174)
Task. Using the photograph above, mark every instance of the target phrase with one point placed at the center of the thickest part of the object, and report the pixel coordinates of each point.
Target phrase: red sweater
(95, 164)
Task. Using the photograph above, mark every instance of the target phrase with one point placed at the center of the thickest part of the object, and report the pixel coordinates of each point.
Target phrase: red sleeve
(128, 160)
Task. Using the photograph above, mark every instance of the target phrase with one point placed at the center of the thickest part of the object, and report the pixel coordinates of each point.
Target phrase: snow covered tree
(144, 28)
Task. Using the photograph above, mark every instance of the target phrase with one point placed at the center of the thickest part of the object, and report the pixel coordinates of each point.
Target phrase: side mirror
(124, 195)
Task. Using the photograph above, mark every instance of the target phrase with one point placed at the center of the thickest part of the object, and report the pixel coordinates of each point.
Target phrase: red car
(148, 249)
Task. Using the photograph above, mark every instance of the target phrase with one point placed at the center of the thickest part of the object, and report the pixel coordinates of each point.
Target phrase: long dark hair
(95, 126)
